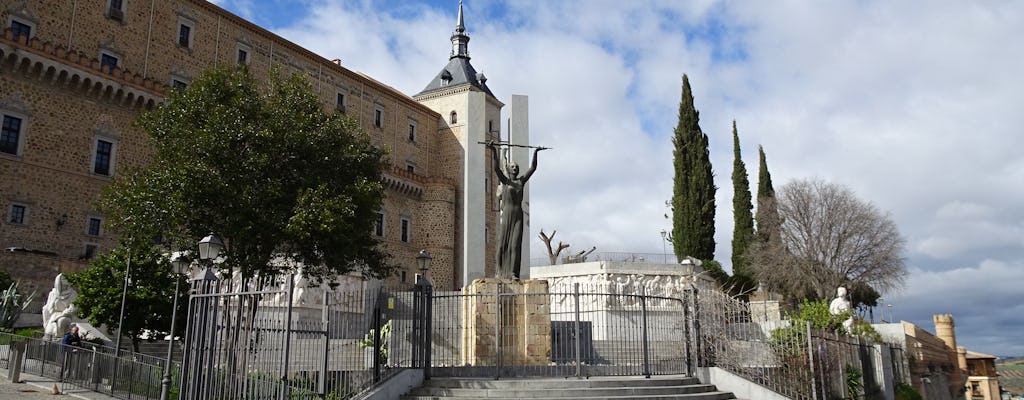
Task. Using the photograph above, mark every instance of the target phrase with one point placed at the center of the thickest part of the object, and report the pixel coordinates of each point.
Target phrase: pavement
(37, 387)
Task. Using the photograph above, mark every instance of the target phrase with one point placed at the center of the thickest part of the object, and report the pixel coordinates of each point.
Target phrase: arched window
(454, 118)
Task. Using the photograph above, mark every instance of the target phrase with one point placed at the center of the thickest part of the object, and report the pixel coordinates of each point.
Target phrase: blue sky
(913, 106)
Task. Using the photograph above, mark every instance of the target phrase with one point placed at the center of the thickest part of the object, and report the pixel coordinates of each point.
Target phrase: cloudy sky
(918, 107)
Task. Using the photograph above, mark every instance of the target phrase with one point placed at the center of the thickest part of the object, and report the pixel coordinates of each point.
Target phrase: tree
(834, 239)
(150, 295)
(693, 196)
(768, 223)
(743, 220)
(266, 169)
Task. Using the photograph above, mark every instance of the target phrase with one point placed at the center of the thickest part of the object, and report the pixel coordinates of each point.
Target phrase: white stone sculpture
(840, 305)
(59, 311)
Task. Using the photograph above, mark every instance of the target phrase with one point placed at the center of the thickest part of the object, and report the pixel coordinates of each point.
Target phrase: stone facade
(508, 330)
(60, 81)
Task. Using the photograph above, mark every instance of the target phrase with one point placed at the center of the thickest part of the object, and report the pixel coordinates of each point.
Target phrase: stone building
(74, 75)
(938, 368)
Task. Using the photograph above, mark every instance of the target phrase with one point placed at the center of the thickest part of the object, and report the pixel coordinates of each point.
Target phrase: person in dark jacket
(69, 346)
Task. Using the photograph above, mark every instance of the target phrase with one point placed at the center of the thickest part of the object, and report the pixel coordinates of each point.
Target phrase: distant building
(75, 75)
(937, 367)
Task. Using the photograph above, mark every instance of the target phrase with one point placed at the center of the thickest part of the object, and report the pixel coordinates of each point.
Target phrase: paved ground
(36, 387)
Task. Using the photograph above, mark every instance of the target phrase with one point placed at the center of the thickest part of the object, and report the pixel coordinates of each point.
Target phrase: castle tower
(470, 114)
(945, 330)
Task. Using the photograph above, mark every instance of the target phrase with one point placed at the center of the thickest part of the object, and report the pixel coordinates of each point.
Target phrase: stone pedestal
(506, 322)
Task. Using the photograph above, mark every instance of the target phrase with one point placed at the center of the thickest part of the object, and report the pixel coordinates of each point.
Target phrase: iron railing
(131, 376)
(568, 331)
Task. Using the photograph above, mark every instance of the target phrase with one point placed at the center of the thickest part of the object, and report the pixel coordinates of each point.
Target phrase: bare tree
(552, 254)
(830, 238)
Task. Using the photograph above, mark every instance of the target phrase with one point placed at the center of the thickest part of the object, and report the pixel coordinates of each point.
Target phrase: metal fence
(132, 376)
(567, 331)
(793, 360)
(280, 343)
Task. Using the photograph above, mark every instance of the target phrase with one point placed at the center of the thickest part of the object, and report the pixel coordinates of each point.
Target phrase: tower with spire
(470, 114)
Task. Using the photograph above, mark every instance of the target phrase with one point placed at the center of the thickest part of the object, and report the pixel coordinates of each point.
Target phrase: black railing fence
(277, 341)
(131, 376)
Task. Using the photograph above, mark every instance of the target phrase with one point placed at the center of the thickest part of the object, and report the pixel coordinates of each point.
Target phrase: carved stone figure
(512, 188)
(840, 305)
(59, 311)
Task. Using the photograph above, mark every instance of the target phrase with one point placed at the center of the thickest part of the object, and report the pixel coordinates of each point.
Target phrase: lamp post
(124, 299)
(422, 308)
(180, 265)
(664, 253)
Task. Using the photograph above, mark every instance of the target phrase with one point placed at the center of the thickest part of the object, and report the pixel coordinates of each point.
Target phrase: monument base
(507, 322)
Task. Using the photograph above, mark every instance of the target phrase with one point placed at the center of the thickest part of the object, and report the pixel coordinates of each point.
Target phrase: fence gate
(237, 344)
(567, 331)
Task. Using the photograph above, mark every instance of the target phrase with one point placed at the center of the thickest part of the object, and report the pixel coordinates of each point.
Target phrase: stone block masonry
(507, 323)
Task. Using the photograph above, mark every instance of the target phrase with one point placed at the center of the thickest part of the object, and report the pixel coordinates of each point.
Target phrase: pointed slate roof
(458, 71)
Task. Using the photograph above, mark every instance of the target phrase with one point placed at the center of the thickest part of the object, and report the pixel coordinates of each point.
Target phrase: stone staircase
(656, 387)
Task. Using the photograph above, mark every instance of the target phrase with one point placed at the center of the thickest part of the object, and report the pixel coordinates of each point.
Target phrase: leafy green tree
(263, 167)
(150, 292)
(693, 195)
(768, 223)
(743, 220)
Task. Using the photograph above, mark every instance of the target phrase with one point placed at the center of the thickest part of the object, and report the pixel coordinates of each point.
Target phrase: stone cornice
(51, 63)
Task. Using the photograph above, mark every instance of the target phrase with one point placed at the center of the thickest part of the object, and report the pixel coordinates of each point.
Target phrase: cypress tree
(768, 223)
(693, 197)
(743, 219)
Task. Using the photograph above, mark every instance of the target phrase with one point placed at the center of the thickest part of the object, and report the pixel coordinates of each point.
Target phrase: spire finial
(460, 40)
(461, 25)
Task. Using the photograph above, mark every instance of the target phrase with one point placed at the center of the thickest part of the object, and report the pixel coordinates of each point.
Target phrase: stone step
(657, 387)
(547, 383)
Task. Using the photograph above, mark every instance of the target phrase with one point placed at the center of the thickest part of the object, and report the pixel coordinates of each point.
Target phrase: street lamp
(210, 247)
(180, 264)
(664, 253)
(423, 261)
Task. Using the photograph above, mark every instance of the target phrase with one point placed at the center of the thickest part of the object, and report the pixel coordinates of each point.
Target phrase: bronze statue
(512, 186)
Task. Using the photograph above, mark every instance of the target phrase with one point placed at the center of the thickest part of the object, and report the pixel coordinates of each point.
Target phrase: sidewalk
(37, 387)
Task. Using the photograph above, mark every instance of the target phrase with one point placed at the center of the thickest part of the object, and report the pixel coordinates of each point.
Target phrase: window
(243, 56)
(490, 126)
(405, 230)
(20, 29)
(89, 251)
(378, 225)
(115, 10)
(108, 62)
(378, 118)
(10, 135)
(18, 214)
(186, 31)
(94, 227)
(454, 118)
(403, 276)
(411, 168)
(178, 84)
(340, 102)
(104, 157)
(412, 132)
(184, 35)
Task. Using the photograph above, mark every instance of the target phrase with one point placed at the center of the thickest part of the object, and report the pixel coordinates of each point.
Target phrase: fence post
(376, 335)
(497, 331)
(697, 343)
(643, 330)
(428, 317)
(285, 388)
(810, 359)
(325, 323)
(578, 337)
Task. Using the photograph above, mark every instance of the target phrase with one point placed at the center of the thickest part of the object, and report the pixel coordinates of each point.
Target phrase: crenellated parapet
(56, 65)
